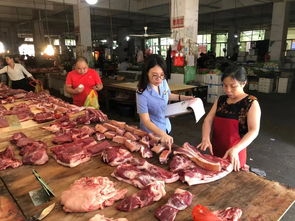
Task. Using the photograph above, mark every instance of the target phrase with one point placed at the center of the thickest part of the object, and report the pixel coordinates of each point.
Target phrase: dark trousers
(22, 84)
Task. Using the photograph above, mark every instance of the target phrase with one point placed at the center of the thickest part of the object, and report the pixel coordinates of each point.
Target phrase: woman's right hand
(206, 143)
(78, 90)
(167, 140)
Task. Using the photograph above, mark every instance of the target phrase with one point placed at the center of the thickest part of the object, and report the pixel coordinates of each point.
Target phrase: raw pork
(179, 201)
(115, 156)
(35, 153)
(202, 213)
(151, 193)
(7, 159)
(140, 173)
(99, 217)
(89, 194)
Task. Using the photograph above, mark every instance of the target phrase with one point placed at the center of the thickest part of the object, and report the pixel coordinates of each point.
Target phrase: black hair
(150, 62)
(81, 58)
(236, 72)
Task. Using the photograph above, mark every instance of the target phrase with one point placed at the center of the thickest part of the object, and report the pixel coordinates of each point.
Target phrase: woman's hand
(167, 140)
(205, 144)
(78, 90)
(233, 154)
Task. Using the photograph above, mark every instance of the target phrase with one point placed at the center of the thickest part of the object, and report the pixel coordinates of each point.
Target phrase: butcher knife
(42, 195)
(42, 214)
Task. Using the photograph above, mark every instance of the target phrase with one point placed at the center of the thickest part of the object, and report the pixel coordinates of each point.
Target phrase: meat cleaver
(42, 214)
(42, 195)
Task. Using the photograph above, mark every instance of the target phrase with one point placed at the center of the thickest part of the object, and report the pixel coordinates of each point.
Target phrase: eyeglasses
(156, 77)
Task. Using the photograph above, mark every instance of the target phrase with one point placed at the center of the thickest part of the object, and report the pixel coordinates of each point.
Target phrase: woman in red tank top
(233, 121)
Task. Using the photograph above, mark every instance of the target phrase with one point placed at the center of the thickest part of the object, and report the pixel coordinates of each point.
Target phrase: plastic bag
(178, 60)
(91, 100)
(37, 84)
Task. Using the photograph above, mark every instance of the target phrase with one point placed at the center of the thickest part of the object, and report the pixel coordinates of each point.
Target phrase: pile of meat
(180, 200)
(202, 213)
(89, 194)
(7, 159)
(194, 167)
(32, 152)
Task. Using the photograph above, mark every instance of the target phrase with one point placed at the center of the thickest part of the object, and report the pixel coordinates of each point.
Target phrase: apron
(225, 135)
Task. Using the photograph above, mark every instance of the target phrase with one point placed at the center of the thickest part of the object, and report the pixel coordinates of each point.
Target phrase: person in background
(17, 74)
(123, 66)
(234, 119)
(81, 81)
(152, 97)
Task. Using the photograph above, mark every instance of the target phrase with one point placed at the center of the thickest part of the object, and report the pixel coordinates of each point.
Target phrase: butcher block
(259, 199)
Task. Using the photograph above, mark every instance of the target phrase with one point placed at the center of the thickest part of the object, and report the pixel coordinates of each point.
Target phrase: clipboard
(184, 107)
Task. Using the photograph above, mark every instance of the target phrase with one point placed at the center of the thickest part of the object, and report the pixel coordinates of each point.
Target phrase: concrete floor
(273, 151)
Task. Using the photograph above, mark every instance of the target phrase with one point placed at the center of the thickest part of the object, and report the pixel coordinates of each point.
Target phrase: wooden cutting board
(9, 211)
(259, 199)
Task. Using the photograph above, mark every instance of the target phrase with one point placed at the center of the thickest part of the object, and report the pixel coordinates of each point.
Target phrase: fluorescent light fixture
(91, 2)
(236, 35)
(127, 38)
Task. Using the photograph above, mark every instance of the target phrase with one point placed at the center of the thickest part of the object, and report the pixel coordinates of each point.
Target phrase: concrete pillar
(279, 28)
(13, 39)
(82, 25)
(38, 36)
(213, 42)
(184, 23)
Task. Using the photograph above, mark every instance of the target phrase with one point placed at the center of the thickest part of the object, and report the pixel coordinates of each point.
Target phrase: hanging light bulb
(49, 50)
(91, 2)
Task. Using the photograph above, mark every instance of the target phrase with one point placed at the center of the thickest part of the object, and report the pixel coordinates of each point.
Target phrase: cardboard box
(253, 86)
(213, 79)
(265, 85)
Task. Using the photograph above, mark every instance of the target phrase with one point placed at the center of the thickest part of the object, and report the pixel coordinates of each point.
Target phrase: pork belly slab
(89, 194)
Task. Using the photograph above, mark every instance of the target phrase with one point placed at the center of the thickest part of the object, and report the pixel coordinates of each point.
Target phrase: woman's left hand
(233, 154)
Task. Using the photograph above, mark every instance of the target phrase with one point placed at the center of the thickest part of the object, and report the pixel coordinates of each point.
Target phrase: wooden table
(259, 199)
(129, 89)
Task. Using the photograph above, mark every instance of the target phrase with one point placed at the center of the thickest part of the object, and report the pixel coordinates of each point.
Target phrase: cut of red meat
(180, 200)
(132, 145)
(7, 159)
(145, 141)
(119, 124)
(115, 156)
(16, 136)
(140, 173)
(164, 156)
(99, 217)
(89, 194)
(202, 213)
(3, 122)
(119, 139)
(71, 154)
(151, 193)
(158, 148)
(140, 132)
(100, 128)
(200, 159)
(193, 174)
(35, 153)
(130, 128)
(145, 152)
(110, 134)
(229, 214)
(110, 127)
(120, 131)
(61, 139)
(131, 136)
(100, 136)
(44, 117)
(98, 148)
(24, 141)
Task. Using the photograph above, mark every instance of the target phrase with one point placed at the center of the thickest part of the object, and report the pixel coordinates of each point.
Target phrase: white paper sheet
(184, 107)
